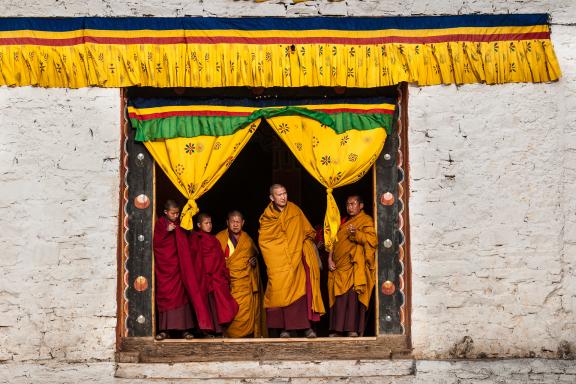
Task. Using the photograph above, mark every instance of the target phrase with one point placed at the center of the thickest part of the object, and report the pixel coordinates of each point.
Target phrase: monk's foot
(284, 334)
(161, 336)
(310, 333)
(333, 334)
(352, 334)
(209, 336)
(188, 335)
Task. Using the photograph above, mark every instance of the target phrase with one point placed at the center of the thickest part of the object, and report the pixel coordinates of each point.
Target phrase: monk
(213, 276)
(240, 253)
(286, 238)
(352, 273)
(177, 299)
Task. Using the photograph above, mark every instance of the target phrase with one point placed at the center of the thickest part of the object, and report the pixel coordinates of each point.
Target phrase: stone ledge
(271, 370)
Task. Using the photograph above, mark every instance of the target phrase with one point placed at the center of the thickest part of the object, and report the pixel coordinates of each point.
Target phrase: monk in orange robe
(240, 253)
(213, 276)
(352, 273)
(286, 238)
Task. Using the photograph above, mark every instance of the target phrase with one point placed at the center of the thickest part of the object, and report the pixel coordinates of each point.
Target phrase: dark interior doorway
(245, 187)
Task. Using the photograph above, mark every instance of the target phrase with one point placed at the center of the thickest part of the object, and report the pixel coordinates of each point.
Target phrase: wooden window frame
(135, 292)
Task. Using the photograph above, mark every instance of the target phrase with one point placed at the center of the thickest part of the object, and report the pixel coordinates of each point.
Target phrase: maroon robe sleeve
(195, 288)
(215, 266)
(170, 291)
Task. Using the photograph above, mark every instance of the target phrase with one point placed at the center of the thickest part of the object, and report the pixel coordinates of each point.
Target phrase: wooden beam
(147, 350)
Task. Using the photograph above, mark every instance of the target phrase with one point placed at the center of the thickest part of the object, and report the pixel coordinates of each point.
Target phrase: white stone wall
(492, 214)
(59, 183)
(492, 208)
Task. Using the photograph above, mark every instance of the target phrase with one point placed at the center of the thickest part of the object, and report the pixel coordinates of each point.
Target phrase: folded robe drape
(244, 285)
(355, 259)
(176, 282)
(285, 236)
(212, 274)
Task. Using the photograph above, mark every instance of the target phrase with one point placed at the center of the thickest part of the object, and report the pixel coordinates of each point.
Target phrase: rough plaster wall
(562, 10)
(494, 247)
(492, 214)
(58, 213)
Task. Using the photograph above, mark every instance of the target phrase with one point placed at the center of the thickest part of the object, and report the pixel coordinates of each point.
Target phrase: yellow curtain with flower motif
(195, 164)
(334, 159)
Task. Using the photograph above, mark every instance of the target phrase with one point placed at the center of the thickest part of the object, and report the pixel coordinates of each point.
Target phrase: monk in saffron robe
(179, 305)
(286, 238)
(213, 276)
(352, 273)
(240, 253)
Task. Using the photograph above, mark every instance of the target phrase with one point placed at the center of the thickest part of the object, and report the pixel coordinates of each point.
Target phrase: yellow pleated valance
(275, 52)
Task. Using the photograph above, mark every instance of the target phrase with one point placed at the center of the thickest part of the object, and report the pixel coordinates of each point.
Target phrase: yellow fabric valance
(275, 52)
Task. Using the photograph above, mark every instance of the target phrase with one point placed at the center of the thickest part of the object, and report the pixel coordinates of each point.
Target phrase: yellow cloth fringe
(277, 65)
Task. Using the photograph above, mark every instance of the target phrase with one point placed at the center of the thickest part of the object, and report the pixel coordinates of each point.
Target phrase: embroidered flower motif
(204, 183)
(190, 148)
(179, 169)
(252, 128)
(299, 146)
(199, 147)
(229, 161)
(344, 140)
(325, 160)
(336, 178)
(283, 128)
(191, 188)
(352, 157)
(268, 56)
(217, 145)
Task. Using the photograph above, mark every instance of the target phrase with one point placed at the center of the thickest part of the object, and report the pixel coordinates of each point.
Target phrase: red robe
(212, 274)
(175, 284)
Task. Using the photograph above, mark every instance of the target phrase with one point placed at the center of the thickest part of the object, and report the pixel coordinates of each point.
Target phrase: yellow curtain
(333, 159)
(195, 164)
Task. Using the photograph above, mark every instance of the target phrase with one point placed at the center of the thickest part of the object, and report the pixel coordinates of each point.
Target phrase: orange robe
(244, 284)
(355, 259)
(285, 238)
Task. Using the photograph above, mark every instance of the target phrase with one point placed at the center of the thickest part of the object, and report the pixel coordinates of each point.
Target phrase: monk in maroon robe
(212, 275)
(179, 304)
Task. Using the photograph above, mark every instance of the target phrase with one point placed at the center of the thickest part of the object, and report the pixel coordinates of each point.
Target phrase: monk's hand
(351, 229)
(252, 261)
(331, 264)
(171, 227)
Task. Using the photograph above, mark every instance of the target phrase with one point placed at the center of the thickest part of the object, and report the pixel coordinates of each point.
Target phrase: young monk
(175, 312)
(213, 276)
(240, 252)
(352, 273)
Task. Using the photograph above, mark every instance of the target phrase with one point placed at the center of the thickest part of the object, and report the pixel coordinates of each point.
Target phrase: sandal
(352, 334)
(285, 334)
(161, 336)
(188, 335)
(310, 333)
